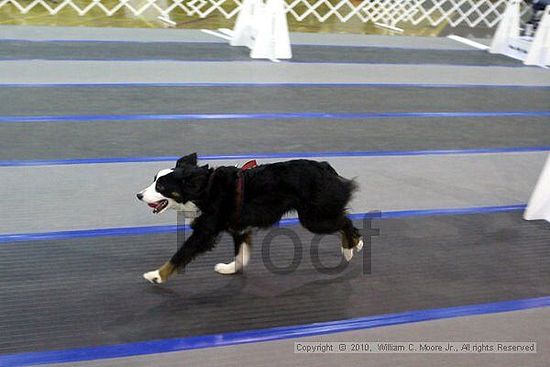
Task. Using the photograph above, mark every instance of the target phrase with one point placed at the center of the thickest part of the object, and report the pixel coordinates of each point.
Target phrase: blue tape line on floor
(255, 336)
(243, 156)
(265, 85)
(137, 231)
(269, 116)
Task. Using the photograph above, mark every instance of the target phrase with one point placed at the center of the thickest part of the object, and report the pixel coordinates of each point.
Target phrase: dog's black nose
(140, 196)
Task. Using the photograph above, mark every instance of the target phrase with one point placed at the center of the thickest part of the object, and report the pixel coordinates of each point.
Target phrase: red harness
(239, 192)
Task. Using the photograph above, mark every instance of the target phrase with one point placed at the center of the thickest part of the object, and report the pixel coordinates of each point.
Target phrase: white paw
(153, 277)
(348, 253)
(359, 245)
(222, 268)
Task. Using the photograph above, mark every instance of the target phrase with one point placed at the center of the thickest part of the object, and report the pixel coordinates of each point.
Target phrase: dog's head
(176, 188)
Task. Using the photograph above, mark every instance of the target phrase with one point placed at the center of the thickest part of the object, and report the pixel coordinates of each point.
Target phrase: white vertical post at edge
(539, 203)
(245, 29)
(273, 40)
(539, 53)
(507, 29)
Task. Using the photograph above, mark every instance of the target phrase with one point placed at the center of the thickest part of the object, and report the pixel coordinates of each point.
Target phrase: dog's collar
(239, 192)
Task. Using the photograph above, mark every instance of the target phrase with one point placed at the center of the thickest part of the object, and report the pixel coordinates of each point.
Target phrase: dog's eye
(160, 188)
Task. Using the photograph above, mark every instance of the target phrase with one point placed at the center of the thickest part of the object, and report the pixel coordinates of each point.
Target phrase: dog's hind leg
(351, 238)
(243, 246)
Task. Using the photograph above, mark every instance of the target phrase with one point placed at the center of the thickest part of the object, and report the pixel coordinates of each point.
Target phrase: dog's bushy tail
(350, 186)
(347, 187)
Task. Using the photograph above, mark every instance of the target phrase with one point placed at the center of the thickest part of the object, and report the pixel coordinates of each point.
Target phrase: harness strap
(239, 192)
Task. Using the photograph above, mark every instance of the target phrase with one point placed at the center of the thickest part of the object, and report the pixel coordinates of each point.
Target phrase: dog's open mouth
(158, 206)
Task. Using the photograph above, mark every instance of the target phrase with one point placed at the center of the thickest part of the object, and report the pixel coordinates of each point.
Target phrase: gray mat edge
(41, 33)
(263, 72)
(511, 326)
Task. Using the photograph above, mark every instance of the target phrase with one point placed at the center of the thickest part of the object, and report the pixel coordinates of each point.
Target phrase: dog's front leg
(203, 239)
(162, 274)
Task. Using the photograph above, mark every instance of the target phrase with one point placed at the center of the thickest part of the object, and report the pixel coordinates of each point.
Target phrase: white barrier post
(539, 53)
(507, 29)
(273, 40)
(246, 26)
(539, 203)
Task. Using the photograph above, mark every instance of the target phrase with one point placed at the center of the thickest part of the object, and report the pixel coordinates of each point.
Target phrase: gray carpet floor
(64, 140)
(509, 326)
(84, 292)
(67, 50)
(145, 99)
(88, 196)
(264, 72)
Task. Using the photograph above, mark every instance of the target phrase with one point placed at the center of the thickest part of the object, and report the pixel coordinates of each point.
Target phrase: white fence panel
(470, 13)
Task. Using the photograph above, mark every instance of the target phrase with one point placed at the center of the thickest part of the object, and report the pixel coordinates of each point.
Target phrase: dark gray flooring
(68, 50)
(229, 99)
(81, 292)
(58, 33)
(58, 140)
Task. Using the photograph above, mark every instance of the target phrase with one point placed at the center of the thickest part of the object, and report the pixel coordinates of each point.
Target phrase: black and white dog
(236, 200)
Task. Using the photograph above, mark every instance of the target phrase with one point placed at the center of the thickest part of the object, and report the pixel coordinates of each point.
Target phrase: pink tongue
(153, 205)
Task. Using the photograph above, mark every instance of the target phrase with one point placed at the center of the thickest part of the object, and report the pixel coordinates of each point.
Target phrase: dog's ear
(190, 159)
(194, 180)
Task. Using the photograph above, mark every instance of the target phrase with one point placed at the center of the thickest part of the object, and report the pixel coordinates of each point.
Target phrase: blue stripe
(263, 335)
(85, 233)
(439, 212)
(373, 153)
(265, 85)
(279, 116)
(137, 231)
